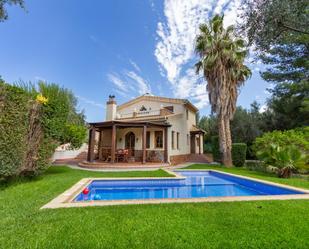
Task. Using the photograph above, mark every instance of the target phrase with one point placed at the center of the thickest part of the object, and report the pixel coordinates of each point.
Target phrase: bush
(14, 109)
(285, 151)
(255, 165)
(283, 159)
(75, 135)
(215, 148)
(32, 124)
(239, 154)
(298, 138)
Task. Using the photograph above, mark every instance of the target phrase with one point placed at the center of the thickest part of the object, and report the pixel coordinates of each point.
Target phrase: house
(146, 129)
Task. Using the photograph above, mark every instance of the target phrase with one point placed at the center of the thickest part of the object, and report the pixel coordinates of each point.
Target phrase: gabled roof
(185, 102)
(196, 130)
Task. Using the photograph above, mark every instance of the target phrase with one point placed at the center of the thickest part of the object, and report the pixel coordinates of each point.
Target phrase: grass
(262, 224)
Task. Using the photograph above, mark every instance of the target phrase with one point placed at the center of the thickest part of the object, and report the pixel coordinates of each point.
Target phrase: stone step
(82, 155)
(200, 158)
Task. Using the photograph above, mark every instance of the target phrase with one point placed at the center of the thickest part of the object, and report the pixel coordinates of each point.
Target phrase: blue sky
(126, 48)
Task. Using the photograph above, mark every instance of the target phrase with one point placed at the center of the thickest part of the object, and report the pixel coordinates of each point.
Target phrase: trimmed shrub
(239, 154)
(255, 165)
(215, 148)
(32, 124)
(14, 111)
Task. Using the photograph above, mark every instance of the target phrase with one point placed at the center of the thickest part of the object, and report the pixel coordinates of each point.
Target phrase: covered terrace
(128, 141)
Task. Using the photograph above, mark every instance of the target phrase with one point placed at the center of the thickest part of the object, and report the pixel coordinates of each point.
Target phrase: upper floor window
(178, 134)
(187, 114)
(159, 139)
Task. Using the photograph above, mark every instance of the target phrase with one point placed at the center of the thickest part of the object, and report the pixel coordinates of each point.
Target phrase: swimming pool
(191, 184)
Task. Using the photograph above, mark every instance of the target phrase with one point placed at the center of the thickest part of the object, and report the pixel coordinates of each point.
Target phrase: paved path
(137, 168)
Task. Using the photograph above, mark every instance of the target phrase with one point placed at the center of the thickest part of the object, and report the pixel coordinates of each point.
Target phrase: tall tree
(3, 11)
(222, 56)
(279, 31)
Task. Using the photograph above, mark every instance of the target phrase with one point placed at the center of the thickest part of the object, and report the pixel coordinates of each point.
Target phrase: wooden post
(113, 149)
(192, 143)
(91, 141)
(100, 144)
(144, 143)
(199, 146)
(165, 145)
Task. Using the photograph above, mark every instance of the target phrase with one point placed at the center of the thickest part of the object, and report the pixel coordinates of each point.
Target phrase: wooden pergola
(116, 124)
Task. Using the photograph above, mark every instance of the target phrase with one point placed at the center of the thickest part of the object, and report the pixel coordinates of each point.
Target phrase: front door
(130, 142)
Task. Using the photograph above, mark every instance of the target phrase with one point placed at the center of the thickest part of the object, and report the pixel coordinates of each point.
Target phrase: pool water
(196, 184)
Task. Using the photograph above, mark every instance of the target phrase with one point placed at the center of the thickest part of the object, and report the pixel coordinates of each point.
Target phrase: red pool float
(86, 191)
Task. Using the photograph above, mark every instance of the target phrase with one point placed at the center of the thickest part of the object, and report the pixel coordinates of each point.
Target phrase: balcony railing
(139, 114)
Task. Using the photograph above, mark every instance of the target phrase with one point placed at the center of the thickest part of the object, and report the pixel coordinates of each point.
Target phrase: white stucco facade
(178, 113)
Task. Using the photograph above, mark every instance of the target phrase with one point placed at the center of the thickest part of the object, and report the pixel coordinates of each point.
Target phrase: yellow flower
(41, 99)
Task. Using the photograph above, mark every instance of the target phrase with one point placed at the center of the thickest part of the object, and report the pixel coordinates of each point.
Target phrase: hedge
(14, 109)
(239, 154)
(216, 148)
(32, 124)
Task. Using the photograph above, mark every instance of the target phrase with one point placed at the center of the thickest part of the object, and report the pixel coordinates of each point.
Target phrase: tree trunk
(284, 172)
(34, 138)
(228, 156)
(225, 140)
(222, 138)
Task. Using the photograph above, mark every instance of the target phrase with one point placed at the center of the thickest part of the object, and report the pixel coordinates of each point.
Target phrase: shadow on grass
(55, 170)
(14, 180)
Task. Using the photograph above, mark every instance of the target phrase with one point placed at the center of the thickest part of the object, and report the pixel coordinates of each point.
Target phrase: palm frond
(222, 58)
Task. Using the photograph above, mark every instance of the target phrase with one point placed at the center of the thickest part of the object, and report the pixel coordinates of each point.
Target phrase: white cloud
(129, 82)
(188, 87)
(39, 78)
(120, 84)
(200, 96)
(175, 42)
(263, 108)
(257, 69)
(90, 102)
(136, 67)
(266, 92)
(141, 84)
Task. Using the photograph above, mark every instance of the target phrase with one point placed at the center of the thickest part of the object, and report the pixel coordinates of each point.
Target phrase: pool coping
(65, 200)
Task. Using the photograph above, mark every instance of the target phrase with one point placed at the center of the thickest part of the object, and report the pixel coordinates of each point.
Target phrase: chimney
(111, 108)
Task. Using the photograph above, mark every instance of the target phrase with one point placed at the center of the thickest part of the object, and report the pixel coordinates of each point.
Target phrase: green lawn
(262, 224)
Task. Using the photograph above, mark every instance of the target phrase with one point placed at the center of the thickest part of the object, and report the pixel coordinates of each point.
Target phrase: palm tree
(221, 61)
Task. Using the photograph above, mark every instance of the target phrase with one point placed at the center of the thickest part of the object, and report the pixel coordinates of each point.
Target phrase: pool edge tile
(65, 200)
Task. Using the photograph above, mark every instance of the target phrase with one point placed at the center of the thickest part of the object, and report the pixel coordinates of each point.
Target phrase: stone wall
(177, 159)
(155, 156)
